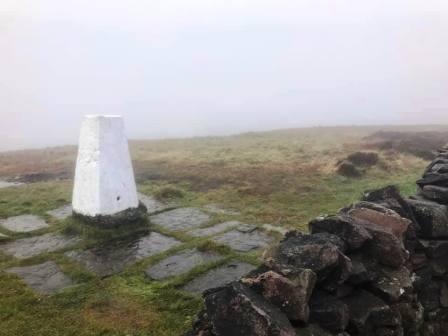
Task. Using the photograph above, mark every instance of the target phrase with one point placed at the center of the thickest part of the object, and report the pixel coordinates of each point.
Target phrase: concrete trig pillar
(104, 190)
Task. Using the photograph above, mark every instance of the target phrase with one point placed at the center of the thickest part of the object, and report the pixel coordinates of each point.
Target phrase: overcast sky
(200, 67)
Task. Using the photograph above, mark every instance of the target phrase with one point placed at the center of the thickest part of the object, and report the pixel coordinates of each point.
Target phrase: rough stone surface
(46, 278)
(30, 247)
(242, 241)
(23, 223)
(435, 193)
(290, 295)
(342, 226)
(218, 277)
(152, 205)
(247, 228)
(329, 312)
(249, 315)
(114, 256)
(180, 219)
(319, 252)
(62, 212)
(180, 263)
(215, 229)
(104, 179)
(432, 217)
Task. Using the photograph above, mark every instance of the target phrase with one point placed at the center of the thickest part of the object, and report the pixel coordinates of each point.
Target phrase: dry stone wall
(377, 268)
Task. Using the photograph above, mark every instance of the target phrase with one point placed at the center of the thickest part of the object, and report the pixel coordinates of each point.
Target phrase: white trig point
(104, 178)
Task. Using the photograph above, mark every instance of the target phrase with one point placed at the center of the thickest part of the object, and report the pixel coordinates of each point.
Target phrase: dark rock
(342, 226)
(367, 159)
(433, 218)
(435, 193)
(412, 317)
(201, 326)
(429, 296)
(390, 198)
(317, 252)
(434, 179)
(434, 248)
(238, 311)
(329, 312)
(348, 169)
(439, 266)
(385, 246)
(387, 219)
(315, 330)
(290, 296)
(392, 284)
(418, 261)
(370, 316)
(363, 270)
(423, 275)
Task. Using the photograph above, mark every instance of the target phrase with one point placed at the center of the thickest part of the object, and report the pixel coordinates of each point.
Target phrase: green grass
(284, 178)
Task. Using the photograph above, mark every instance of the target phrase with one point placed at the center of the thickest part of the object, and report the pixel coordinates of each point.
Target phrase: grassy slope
(283, 177)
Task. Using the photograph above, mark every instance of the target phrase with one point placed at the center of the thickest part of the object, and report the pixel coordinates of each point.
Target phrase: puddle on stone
(46, 278)
(5, 184)
(114, 256)
(152, 204)
(215, 229)
(23, 223)
(218, 277)
(30, 247)
(62, 212)
(180, 219)
(180, 263)
(244, 241)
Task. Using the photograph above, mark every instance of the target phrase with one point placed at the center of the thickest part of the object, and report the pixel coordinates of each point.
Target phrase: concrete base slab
(46, 278)
(115, 256)
(218, 277)
(180, 219)
(180, 263)
(30, 247)
(23, 223)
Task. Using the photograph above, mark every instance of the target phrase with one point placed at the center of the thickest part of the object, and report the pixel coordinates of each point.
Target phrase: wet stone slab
(115, 256)
(23, 223)
(180, 263)
(218, 277)
(30, 247)
(180, 219)
(215, 229)
(152, 204)
(244, 241)
(62, 212)
(46, 278)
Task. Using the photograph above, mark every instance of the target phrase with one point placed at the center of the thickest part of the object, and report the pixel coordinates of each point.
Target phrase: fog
(176, 68)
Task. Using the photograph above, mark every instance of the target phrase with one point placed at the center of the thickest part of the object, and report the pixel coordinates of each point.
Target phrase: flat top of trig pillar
(97, 116)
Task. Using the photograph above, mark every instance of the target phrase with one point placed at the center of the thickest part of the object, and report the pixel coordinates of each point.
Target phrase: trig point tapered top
(104, 178)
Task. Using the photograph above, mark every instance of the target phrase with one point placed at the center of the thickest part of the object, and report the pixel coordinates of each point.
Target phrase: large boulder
(435, 193)
(344, 227)
(238, 311)
(433, 218)
(430, 178)
(290, 296)
(392, 285)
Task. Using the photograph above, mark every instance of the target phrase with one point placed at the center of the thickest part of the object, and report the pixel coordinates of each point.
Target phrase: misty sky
(200, 67)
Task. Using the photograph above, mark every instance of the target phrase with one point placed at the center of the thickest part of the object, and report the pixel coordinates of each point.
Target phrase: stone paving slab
(246, 228)
(218, 277)
(215, 229)
(30, 247)
(46, 278)
(62, 212)
(180, 219)
(244, 242)
(115, 256)
(6, 184)
(23, 223)
(217, 209)
(152, 204)
(180, 263)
